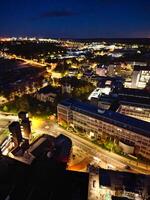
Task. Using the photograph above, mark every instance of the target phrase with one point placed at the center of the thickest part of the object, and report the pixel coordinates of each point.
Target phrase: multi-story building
(140, 76)
(106, 85)
(138, 110)
(131, 102)
(134, 102)
(47, 94)
(101, 124)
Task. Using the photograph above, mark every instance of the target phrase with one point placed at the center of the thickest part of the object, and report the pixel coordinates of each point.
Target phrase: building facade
(131, 102)
(135, 111)
(102, 124)
(140, 76)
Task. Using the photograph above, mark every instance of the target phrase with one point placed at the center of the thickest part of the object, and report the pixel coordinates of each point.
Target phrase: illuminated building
(101, 124)
(138, 111)
(132, 102)
(135, 103)
(140, 76)
(101, 71)
(47, 94)
(98, 92)
(106, 85)
(111, 70)
(72, 72)
(57, 75)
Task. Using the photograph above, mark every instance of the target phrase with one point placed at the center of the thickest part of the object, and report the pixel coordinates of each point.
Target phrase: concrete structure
(45, 178)
(102, 124)
(15, 131)
(115, 185)
(140, 76)
(127, 148)
(124, 185)
(25, 124)
(65, 145)
(98, 92)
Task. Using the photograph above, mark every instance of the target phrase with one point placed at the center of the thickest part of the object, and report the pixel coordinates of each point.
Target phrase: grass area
(109, 145)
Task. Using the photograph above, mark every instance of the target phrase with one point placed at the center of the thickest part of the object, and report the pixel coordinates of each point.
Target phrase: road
(8, 116)
(27, 62)
(95, 151)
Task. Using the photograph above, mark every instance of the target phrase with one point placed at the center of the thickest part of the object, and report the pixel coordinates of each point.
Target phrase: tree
(5, 108)
(22, 104)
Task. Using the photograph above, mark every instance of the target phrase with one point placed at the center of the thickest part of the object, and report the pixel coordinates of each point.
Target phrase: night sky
(75, 18)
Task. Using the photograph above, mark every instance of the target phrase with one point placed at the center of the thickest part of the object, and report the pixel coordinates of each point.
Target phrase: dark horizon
(128, 40)
(75, 38)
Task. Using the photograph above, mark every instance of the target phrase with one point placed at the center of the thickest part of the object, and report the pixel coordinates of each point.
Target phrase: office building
(140, 76)
(132, 102)
(135, 103)
(102, 124)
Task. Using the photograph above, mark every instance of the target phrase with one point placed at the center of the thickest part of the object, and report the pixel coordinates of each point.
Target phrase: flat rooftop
(141, 68)
(124, 180)
(120, 120)
(134, 93)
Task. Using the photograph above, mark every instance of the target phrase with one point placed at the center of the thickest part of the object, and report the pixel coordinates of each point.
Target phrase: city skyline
(75, 19)
(75, 99)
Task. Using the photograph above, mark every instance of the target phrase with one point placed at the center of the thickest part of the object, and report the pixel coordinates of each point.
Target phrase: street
(111, 160)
